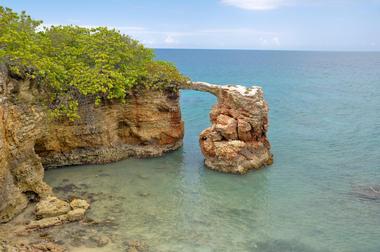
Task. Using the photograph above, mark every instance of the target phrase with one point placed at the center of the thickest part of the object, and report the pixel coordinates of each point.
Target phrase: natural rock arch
(147, 125)
(236, 141)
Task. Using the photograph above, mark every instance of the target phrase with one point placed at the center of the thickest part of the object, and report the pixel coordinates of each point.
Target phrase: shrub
(70, 62)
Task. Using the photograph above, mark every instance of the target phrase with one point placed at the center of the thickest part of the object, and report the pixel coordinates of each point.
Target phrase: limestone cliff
(148, 124)
(21, 172)
(236, 141)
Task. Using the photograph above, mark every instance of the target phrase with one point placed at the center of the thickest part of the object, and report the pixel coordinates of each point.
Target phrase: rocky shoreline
(90, 233)
(147, 125)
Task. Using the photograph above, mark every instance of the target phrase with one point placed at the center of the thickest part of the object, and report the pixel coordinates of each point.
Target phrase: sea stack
(237, 139)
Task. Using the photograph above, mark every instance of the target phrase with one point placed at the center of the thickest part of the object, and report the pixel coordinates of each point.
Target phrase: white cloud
(258, 4)
(270, 42)
(226, 37)
(170, 39)
(207, 38)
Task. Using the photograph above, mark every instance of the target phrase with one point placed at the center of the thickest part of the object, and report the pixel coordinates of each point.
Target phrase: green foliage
(161, 74)
(71, 62)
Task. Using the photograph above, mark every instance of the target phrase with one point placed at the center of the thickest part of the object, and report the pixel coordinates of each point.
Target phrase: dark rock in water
(116, 210)
(83, 185)
(282, 246)
(100, 241)
(144, 194)
(142, 176)
(90, 221)
(239, 212)
(135, 246)
(367, 192)
(103, 175)
(109, 224)
(66, 188)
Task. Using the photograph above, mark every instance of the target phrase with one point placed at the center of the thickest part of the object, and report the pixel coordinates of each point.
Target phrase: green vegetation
(70, 62)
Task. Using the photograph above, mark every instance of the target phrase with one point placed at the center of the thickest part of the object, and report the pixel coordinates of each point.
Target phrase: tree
(71, 62)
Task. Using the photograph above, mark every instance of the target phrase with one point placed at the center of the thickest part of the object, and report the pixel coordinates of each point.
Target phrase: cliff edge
(148, 124)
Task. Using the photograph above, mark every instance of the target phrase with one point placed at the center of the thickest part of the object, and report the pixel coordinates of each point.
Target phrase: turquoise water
(325, 136)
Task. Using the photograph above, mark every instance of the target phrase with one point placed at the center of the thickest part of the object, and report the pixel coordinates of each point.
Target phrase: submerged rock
(35, 247)
(283, 246)
(236, 141)
(100, 241)
(136, 246)
(144, 194)
(368, 192)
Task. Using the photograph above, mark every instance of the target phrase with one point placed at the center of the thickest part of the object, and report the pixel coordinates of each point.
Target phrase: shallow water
(325, 136)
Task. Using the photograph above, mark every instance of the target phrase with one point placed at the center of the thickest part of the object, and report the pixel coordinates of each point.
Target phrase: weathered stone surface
(236, 141)
(53, 211)
(51, 206)
(21, 171)
(76, 214)
(79, 203)
(48, 222)
(147, 125)
(43, 246)
(226, 126)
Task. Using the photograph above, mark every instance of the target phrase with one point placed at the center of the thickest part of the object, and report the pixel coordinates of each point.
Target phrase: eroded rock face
(21, 172)
(236, 141)
(148, 124)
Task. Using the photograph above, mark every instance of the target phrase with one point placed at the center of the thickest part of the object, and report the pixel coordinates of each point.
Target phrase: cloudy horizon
(224, 24)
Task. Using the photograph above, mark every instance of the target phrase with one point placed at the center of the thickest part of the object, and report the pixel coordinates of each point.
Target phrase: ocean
(325, 135)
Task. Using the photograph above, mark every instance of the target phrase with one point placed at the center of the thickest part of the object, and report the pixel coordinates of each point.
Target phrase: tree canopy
(70, 62)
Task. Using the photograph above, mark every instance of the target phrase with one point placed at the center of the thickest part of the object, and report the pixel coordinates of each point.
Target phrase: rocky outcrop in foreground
(236, 141)
(52, 211)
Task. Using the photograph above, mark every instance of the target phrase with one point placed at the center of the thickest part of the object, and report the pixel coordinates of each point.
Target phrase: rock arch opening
(236, 141)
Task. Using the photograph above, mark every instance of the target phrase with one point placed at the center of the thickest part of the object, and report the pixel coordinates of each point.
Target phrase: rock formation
(52, 211)
(236, 141)
(21, 172)
(148, 124)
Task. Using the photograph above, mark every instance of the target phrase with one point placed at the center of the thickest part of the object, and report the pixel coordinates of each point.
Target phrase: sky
(346, 25)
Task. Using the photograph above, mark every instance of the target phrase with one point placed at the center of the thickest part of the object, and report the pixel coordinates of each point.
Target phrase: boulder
(51, 207)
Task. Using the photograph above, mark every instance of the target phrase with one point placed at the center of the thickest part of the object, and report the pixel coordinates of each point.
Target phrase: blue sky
(227, 24)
